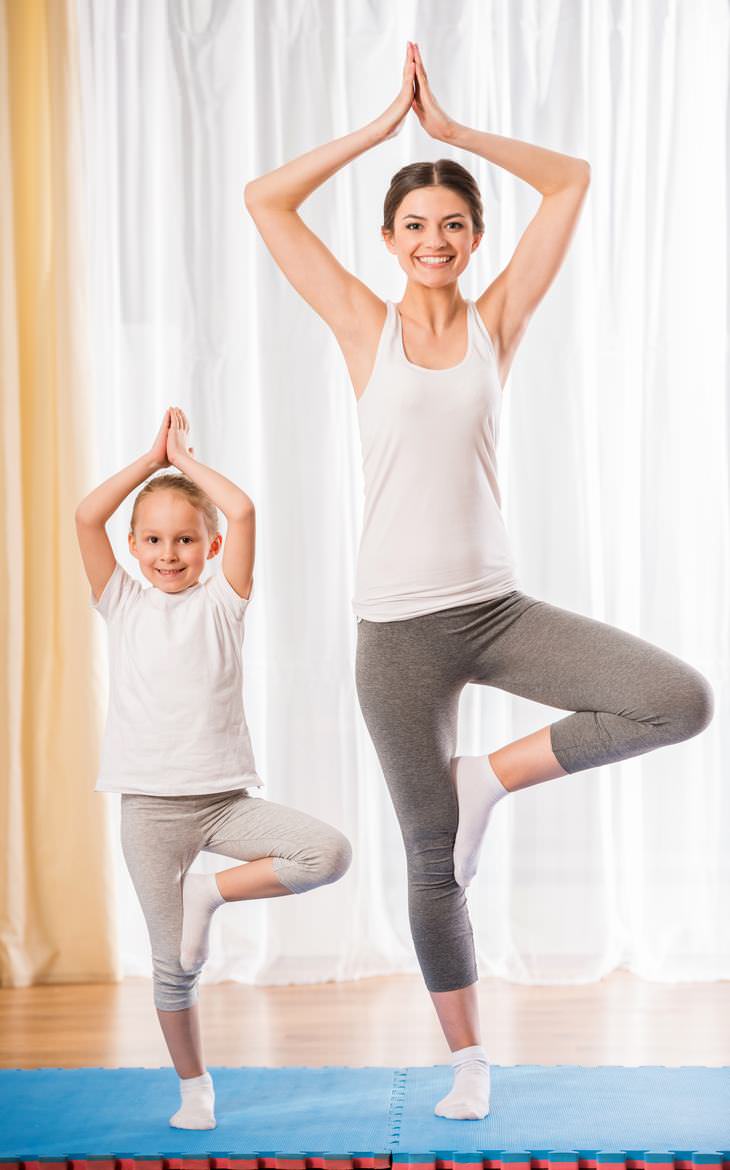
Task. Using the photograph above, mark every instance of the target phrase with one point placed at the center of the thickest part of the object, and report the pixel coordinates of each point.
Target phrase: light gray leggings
(162, 836)
(628, 696)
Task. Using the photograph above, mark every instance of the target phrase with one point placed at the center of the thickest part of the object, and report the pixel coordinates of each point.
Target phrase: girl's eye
(188, 539)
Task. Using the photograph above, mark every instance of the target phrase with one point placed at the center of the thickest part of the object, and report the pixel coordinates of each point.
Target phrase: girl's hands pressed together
(158, 450)
(434, 120)
(390, 122)
(177, 436)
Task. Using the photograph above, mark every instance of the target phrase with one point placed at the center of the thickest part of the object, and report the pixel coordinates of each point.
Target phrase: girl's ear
(215, 546)
(132, 544)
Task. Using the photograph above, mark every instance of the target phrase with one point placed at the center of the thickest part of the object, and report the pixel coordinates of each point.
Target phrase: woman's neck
(434, 309)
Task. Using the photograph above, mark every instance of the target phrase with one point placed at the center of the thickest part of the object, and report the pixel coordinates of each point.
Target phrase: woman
(437, 601)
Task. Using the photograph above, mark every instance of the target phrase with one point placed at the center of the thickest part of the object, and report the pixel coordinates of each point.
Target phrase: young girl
(176, 743)
(436, 595)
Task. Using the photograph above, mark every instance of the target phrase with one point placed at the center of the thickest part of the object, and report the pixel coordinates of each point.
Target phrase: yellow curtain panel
(56, 877)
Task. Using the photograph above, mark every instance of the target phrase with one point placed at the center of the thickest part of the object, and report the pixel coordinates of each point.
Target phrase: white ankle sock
(201, 897)
(197, 1103)
(469, 1096)
(478, 789)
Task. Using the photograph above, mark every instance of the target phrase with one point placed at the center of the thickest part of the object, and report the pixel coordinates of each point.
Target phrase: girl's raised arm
(96, 508)
(333, 292)
(239, 548)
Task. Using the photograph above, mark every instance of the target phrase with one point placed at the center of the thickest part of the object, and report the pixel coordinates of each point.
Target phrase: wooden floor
(383, 1021)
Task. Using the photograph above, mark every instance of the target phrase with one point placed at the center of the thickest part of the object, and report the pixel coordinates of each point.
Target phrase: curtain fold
(58, 920)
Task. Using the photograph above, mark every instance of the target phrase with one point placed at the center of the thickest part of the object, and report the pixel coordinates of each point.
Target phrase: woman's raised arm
(272, 200)
(508, 302)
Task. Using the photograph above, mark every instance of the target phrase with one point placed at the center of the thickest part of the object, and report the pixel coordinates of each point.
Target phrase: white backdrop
(614, 442)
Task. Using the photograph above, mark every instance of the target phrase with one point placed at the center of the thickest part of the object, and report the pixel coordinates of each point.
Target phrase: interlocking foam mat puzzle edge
(543, 1117)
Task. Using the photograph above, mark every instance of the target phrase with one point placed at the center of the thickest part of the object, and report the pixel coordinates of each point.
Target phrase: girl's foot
(197, 1104)
(201, 898)
(478, 789)
(469, 1096)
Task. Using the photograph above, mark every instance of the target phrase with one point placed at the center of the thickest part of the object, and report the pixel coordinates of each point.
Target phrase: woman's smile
(434, 261)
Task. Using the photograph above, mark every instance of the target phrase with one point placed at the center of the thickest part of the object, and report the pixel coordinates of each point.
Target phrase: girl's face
(432, 236)
(170, 541)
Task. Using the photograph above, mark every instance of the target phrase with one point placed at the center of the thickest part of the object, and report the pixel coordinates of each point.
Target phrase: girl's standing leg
(160, 840)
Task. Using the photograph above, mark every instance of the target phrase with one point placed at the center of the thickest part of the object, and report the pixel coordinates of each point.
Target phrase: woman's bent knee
(692, 705)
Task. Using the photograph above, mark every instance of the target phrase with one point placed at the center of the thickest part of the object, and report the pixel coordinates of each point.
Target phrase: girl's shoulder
(120, 589)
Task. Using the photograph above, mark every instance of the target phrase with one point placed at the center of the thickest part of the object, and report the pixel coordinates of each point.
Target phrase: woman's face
(170, 541)
(432, 236)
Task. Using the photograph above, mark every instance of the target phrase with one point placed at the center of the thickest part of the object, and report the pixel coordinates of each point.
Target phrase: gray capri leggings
(628, 696)
(162, 836)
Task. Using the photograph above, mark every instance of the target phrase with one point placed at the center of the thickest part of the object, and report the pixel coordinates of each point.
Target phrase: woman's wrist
(456, 135)
(374, 133)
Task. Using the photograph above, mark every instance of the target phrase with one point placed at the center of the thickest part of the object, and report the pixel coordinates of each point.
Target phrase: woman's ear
(387, 238)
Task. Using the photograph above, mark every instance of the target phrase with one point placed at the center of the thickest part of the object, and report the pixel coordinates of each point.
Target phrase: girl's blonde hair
(178, 482)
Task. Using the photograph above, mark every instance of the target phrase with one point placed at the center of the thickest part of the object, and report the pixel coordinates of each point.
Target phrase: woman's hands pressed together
(415, 93)
(434, 120)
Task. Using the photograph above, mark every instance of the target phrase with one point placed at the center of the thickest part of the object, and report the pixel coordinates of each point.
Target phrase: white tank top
(433, 534)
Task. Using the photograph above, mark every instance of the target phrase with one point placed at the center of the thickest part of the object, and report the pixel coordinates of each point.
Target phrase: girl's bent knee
(324, 862)
(339, 857)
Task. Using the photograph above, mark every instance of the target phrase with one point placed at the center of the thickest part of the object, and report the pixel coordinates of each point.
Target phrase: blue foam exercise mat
(541, 1116)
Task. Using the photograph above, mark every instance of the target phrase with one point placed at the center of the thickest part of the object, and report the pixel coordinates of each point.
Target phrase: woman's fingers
(420, 69)
(179, 418)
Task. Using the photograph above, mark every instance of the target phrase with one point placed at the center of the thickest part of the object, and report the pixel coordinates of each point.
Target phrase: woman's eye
(453, 223)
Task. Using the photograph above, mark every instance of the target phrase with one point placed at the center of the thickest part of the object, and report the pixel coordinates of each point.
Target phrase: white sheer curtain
(614, 447)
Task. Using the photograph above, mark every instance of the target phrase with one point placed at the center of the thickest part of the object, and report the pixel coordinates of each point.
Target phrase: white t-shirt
(175, 724)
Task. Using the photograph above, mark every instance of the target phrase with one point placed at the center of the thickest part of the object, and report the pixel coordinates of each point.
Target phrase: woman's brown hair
(443, 173)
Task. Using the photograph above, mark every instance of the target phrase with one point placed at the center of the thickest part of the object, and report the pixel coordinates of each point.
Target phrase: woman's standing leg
(628, 696)
(409, 679)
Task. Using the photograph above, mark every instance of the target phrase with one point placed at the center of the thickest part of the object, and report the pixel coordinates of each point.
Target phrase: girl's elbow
(245, 511)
